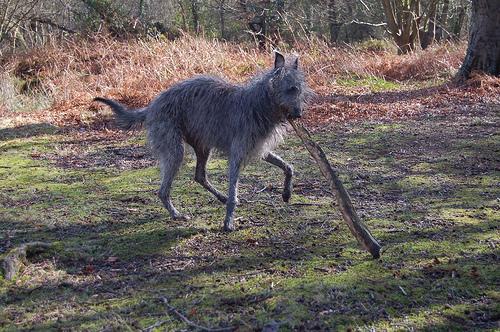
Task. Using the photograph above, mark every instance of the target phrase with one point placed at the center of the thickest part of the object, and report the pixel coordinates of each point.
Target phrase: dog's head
(288, 88)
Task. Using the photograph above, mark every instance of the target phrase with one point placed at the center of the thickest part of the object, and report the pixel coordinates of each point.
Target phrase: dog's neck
(260, 94)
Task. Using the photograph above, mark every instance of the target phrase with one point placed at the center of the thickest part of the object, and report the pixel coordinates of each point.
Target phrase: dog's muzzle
(295, 113)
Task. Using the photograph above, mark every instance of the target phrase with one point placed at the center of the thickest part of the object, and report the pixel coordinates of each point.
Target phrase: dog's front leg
(276, 160)
(232, 197)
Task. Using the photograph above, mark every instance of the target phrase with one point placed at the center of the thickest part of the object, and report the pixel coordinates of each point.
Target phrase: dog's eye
(292, 89)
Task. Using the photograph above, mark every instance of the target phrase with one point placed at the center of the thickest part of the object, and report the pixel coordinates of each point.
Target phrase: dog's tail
(126, 119)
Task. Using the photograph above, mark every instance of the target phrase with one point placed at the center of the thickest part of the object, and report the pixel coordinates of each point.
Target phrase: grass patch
(371, 83)
(296, 264)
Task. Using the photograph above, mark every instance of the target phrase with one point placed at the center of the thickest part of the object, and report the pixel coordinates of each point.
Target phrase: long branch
(349, 214)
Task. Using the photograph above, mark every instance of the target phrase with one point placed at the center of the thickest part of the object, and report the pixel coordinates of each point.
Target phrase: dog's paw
(228, 226)
(286, 196)
(229, 229)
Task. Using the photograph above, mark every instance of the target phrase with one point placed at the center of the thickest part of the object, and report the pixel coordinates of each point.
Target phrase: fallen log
(11, 262)
(349, 214)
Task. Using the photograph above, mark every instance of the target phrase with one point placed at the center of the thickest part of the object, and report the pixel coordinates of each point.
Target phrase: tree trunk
(442, 21)
(483, 52)
(196, 16)
(140, 9)
(457, 27)
(183, 15)
(222, 19)
(308, 16)
(428, 35)
(258, 26)
(403, 21)
(334, 24)
(280, 19)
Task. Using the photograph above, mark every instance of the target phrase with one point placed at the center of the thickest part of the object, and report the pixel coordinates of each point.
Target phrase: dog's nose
(297, 113)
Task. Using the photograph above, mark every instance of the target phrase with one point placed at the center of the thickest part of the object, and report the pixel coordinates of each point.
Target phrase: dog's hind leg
(276, 160)
(201, 174)
(171, 154)
(232, 197)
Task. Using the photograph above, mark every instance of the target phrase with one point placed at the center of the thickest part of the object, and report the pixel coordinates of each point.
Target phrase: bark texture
(334, 25)
(403, 19)
(483, 52)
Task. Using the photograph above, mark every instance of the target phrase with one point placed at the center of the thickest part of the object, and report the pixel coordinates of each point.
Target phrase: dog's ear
(279, 60)
(295, 64)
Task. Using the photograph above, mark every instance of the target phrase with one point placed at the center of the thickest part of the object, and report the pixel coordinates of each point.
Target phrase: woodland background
(34, 22)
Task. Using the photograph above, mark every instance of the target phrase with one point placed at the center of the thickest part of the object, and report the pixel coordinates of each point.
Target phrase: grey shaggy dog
(241, 121)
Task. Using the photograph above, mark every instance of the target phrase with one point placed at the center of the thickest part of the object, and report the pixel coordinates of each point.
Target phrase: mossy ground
(427, 188)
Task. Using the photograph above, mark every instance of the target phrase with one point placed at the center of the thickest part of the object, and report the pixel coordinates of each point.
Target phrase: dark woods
(267, 23)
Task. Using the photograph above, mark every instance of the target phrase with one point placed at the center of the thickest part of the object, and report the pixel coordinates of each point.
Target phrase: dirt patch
(92, 149)
(123, 158)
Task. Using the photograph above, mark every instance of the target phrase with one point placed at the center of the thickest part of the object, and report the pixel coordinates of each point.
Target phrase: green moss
(422, 168)
(375, 84)
(376, 45)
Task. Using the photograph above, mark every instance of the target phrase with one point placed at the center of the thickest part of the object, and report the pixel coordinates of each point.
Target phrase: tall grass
(72, 73)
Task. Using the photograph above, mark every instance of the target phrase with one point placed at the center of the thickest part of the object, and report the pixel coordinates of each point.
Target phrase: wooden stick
(343, 199)
(193, 324)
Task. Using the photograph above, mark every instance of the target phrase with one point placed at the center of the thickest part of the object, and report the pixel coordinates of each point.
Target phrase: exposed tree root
(12, 261)
(343, 199)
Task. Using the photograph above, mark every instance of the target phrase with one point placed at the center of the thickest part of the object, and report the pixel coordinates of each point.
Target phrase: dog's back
(212, 113)
(202, 108)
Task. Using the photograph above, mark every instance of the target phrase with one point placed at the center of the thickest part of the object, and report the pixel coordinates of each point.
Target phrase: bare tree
(255, 14)
(456, 28)
(333, 21)
(428, 31)
(13, 13)
(483, 51)
(183, 15)
(403, 19)
(222, 22)
(195, 12)
(443, 21)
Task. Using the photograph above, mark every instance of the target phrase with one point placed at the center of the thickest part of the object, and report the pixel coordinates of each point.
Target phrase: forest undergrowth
(56, 84)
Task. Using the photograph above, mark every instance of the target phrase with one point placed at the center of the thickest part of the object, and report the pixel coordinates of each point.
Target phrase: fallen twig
(190, 323)
(343, 199)
(155, 325)
(11, 262)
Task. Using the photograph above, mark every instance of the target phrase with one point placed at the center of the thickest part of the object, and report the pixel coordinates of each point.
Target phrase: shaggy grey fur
(241, 121)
